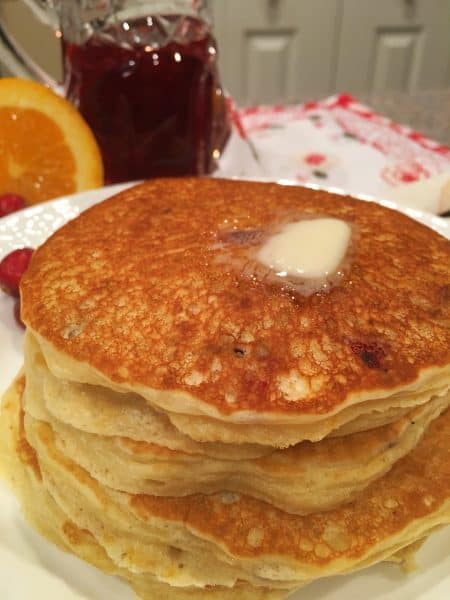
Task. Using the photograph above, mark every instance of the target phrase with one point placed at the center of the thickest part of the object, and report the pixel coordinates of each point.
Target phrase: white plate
(32, 568)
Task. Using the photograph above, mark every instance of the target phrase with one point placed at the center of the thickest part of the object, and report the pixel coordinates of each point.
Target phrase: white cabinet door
(276, 50)
(394, 45)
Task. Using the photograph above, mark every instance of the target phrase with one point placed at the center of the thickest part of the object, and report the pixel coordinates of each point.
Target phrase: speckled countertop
(426, 111)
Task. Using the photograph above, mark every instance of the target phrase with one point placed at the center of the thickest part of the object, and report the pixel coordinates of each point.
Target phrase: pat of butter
(310, 249)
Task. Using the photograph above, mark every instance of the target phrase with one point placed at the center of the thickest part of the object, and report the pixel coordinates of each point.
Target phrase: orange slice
(46, 148)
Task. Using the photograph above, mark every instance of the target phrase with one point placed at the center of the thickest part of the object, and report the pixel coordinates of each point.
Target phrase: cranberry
(12, 267)
(9, 203)
(371, 354)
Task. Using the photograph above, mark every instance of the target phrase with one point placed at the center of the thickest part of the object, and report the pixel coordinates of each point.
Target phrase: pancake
(24, 475)
(265, 544)
(152, 292)
(308, 477)
(205, 426)
(76, 404)
(98, 410)
(303, 479)
(268, 544)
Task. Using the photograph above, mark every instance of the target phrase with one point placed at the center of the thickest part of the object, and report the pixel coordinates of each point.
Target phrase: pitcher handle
(20, 61)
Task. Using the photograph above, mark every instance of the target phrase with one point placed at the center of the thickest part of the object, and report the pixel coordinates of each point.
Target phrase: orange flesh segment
(35, 160)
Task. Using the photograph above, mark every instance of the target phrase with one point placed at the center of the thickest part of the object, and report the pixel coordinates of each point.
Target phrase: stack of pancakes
(188, 422)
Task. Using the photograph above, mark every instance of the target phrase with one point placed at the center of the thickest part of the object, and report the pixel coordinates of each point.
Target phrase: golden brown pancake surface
(157, 288)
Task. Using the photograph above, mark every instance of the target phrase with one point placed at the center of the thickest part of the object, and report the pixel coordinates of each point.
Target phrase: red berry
(9, 203)
(12, 267)
(17, 313)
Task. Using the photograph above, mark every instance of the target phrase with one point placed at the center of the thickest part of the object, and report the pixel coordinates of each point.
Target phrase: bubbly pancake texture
(150, 292)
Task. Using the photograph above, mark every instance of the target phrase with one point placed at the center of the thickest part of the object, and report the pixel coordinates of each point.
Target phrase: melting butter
(310, 248)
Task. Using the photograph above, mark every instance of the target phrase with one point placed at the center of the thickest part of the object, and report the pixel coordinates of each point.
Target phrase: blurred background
(394, 54)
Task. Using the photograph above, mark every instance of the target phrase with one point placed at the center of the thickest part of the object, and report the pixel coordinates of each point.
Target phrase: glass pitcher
(144, 75)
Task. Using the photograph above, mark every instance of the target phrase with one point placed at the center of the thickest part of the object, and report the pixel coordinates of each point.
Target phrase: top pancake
(151, 291)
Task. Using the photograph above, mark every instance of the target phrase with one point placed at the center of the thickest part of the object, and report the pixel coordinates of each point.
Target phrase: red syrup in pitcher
(155, 110)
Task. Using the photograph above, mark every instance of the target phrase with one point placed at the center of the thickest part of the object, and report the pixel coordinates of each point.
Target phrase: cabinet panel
(397, 59)
(265, 73)
(393, 45)
(276, 50)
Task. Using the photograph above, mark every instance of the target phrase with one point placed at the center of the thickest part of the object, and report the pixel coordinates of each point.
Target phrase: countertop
(427, 112)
